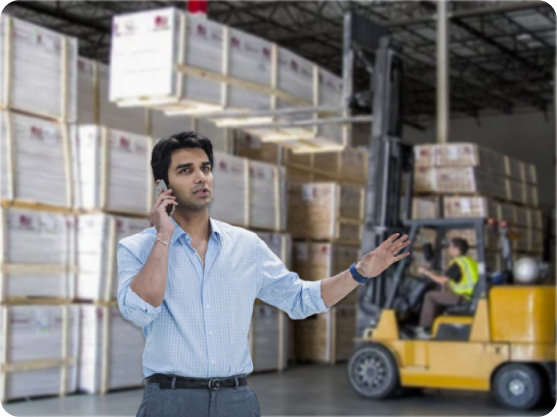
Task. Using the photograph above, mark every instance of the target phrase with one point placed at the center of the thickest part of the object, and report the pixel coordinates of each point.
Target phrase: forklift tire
(518, 386)
(373, 372)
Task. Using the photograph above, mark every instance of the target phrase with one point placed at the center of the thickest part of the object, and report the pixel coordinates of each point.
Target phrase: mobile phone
(162, 187)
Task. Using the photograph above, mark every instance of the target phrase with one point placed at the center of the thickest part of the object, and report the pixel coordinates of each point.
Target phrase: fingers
(387, 243)
(163, 195)
(399, 257)
(166, 202)
(399, 244)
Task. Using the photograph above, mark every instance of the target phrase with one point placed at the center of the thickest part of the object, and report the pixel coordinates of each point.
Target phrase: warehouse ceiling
(502, 54)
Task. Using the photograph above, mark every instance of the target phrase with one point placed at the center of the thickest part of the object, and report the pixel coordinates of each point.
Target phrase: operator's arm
(453, 273)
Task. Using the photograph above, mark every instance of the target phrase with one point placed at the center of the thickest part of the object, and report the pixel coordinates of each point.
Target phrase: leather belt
(167, 381)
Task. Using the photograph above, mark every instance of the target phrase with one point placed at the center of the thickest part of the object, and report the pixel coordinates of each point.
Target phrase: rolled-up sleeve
(132, 307)
(285, 289)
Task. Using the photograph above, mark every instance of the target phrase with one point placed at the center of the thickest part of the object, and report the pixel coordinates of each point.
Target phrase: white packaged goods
(515, 169)
(39, 254)
(268, 338)
(111, 350)
(425, 179)
(425, 208)
(267, 196)
(42, 356)
(424, 155)
(38, 74)
(98, 236)
(175, 61)
(280, 244)
(112, 170)
(230, 186)
(87, 92)
(470, 155)
(163, 126)
(34, 160)
(470, 180)
(94, 106)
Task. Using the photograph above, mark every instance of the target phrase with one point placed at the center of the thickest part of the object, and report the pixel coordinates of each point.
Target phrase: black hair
(460, 244)
(162, 152)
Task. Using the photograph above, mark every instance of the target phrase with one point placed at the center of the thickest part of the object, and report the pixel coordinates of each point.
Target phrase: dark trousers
(432, 303)
(182, 402)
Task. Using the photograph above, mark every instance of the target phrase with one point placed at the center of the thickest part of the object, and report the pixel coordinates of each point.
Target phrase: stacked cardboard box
(316, 261)
(269, 338)
(327, 337)
(326, 211)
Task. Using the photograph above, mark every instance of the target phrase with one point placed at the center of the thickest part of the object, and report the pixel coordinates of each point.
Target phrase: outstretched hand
(375, 262)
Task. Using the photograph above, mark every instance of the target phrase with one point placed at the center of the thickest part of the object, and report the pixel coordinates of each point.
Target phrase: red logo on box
(201, 30)
(235, 42)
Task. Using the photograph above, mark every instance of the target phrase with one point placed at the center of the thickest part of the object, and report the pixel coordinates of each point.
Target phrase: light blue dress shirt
(201, 328)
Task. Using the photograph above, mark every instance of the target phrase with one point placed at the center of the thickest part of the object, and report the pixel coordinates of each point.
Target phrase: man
(461, 277)
(190, 283)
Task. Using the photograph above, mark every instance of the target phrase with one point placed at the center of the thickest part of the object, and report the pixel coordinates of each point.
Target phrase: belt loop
(142, 382)
(173, 383)
(236, 382)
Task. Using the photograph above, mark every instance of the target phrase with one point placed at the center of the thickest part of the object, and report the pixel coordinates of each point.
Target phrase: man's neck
(196, 223)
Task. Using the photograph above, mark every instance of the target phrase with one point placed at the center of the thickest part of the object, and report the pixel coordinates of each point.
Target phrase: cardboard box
(269, 338)
(425, 179)
(426, 208)
(317, 261)
(424, 155)
(327, 337)
(280, 244)
(424, 237)
(469, 180)
(470, 207)
(326, 211)
(469, 155)
(492, 240)
(515, 169)
(267, 196)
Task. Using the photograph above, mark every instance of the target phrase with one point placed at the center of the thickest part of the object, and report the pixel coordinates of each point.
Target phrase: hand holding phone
(162, 210)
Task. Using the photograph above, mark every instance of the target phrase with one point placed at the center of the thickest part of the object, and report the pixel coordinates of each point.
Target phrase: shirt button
(210, 332)
(208, 306)
(213, 361)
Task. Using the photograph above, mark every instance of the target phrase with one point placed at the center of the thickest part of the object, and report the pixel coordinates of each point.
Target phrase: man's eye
(183, 170)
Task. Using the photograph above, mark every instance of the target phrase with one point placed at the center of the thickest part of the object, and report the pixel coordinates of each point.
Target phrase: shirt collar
(178, 231)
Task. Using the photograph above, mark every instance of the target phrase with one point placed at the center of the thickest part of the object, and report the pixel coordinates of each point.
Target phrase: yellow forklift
(502, 341)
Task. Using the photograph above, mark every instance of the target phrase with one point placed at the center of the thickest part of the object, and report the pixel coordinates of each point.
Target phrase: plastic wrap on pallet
(172, 37)
(231, 190)
(325, 338)
(87, 91)
(38, 171)
(97, 254)
(316, 261)
(470, 207)
(325, 211)
(267, 338)
(36, 333)
(126, 175)
(280, 244)
(267, 196)
(125, 346)
(39, 67)
(35, 238)
(132, 120)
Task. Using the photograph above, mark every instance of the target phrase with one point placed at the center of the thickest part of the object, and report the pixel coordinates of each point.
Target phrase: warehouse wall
(528, 137)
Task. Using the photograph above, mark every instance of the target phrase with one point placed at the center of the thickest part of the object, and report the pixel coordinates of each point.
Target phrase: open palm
(375, 262)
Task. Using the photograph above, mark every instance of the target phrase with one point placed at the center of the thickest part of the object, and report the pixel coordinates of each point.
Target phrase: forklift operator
(461, 277)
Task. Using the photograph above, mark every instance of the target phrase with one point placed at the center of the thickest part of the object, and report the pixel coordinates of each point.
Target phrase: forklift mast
(390, 161)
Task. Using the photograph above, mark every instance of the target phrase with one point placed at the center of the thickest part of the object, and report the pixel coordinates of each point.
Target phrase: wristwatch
(356, 275)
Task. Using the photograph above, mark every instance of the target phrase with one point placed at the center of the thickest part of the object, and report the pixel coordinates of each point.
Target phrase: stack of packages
(348, 166)
(39, 323)
(467, 180)
(326, 219)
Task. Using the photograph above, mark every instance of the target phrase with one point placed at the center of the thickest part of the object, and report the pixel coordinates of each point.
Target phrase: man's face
(453, 251)
(191, 179)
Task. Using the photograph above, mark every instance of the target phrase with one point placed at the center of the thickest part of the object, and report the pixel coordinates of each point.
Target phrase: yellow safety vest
(469, 276)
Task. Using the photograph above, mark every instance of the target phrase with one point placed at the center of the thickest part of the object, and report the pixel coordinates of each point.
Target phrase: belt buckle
(214, 384)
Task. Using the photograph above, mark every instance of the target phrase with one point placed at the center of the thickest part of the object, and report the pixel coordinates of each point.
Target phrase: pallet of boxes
(39, 323)
(462, 180)
(325, 220)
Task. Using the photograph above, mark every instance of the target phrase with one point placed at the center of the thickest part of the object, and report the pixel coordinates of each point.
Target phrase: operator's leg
(434, 300)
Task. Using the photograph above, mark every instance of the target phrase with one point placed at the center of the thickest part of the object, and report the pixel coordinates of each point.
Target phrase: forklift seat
(467, 308)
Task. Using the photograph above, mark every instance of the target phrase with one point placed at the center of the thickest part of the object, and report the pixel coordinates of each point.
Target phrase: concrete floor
(302, 390)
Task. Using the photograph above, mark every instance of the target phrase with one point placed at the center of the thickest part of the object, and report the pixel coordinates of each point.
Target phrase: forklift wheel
(518, 386)
(373, 372)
